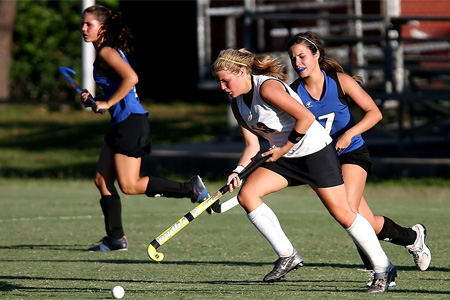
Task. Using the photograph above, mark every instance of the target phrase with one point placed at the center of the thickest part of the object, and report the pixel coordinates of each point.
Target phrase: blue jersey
(130, 104)
(331, 110)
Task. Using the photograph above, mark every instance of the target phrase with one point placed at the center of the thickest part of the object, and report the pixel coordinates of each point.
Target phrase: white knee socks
(364, 236)
(267, 223)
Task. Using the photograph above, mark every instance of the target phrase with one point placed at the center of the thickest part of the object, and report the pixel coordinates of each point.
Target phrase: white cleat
(419, 250)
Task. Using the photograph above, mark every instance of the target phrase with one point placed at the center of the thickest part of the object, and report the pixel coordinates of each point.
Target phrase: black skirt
(359, 157)
(321, 169)
(130, 137)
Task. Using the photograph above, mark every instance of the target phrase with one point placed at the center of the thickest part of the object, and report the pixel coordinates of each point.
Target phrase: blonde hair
(232, 60)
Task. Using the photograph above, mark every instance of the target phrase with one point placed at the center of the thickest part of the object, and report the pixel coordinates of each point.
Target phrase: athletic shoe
(110, 244)
(284, 265)
(199, 191)
(382, 281)
(370, 274)
(419, 250)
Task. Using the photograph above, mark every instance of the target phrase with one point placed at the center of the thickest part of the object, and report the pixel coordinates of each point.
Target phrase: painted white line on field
(89, 217)
(47, 219)
(66, 218)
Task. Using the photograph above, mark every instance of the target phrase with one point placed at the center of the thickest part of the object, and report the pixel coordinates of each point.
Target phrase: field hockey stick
(225, 206)
(65, 72)
(194, 213)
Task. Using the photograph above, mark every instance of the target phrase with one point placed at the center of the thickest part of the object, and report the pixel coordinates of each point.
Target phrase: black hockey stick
(191, 215)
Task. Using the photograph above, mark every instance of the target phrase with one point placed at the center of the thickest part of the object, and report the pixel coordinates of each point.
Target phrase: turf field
(46, 225)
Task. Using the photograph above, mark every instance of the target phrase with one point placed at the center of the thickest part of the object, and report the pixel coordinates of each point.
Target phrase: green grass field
(50, 215)
(47, 225)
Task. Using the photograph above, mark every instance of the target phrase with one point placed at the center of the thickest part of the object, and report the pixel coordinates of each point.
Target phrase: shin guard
(112, 212)
(160, 187)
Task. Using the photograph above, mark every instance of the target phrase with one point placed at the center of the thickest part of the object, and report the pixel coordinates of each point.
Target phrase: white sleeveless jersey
(275, 125)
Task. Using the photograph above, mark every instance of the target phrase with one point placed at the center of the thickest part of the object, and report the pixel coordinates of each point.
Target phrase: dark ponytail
(115, 33)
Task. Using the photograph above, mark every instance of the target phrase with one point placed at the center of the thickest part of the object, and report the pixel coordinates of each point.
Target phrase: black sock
(364, 258)
(160, 187)
(395, 234)
(112, 212)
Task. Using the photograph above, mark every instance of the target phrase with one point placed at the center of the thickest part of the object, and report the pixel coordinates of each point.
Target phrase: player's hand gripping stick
(194, 213)
(65, 72)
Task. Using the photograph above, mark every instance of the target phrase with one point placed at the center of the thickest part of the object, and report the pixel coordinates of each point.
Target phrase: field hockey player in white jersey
(128, 139)
(327, 90)
(301, 153)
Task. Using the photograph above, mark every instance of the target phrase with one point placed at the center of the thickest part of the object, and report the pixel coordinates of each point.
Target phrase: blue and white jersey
(331, 110)
(275, 125)
(130, 104)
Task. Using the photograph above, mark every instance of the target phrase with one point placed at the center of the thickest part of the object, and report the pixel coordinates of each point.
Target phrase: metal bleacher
(407, 75)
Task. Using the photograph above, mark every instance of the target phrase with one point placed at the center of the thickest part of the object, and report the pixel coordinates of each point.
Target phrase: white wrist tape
(239, 169)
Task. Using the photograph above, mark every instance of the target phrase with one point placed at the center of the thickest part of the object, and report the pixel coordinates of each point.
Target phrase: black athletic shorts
(359, 157)
(320, 169)
(130, 137)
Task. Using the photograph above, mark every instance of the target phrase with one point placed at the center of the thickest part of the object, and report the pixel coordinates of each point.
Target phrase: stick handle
(65, 72)
(253, 167)
(216, 206)
(246, 172)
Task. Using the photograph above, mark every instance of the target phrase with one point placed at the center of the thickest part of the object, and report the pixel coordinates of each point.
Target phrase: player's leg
(355, 180)
(115, 238)
(128, 174)
(131, 143)
(131, 183)
(261, 183)
(362, 233)
(414, 238)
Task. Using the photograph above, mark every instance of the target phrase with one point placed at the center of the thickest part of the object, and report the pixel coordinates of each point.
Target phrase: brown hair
(115, 34)
(314, 44)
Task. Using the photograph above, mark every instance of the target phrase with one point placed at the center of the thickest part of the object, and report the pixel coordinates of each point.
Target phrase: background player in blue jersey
(128, 139)
(324, 89)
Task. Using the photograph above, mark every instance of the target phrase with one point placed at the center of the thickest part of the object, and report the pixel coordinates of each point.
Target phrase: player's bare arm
(372, 114)
(111, 59)
(274, 93)
(251, 148)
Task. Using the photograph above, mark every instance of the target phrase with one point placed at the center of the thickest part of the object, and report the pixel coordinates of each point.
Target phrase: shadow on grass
(287, 285)
(83, 248)
(37, 138)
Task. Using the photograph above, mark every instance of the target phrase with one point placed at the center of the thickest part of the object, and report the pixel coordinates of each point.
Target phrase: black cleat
(110, 244)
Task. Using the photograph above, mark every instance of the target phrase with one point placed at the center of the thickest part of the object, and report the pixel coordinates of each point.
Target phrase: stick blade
(227, 205)
(153, 254)
(64, 70)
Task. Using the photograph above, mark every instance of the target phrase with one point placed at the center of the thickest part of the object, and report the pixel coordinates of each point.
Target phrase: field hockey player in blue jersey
(325, 90)
(301, 153)
(128, 139)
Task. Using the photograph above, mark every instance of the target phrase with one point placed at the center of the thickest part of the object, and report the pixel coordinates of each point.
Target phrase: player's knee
(99, 181)
(128, 189)
(243, 196)
(246, 196)
(344, 218)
